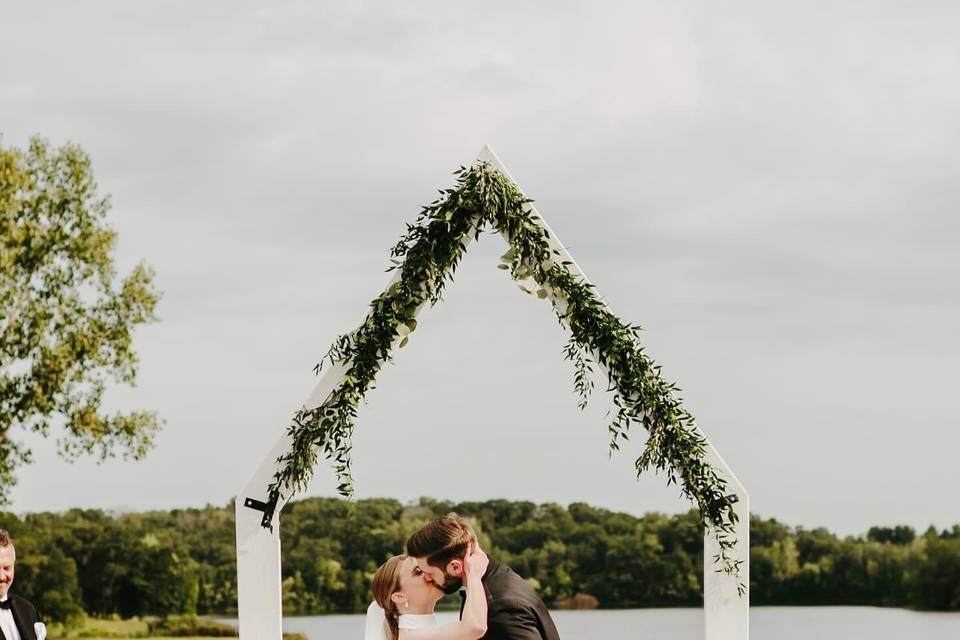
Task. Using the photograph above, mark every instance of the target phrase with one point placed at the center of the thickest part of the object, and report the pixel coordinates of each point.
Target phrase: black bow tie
(6, 604)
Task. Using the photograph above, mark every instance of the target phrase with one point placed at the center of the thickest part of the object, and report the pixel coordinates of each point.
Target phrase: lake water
(766, 623)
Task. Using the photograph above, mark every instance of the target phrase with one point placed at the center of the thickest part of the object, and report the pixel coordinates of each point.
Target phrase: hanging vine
(423, 260)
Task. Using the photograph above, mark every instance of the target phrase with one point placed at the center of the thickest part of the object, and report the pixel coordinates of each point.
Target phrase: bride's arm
(473, 622)
(474, 614)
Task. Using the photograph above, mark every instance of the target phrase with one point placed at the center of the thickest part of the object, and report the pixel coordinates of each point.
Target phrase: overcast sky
(771, 192)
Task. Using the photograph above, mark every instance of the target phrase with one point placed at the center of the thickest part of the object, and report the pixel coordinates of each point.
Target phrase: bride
(404, 599)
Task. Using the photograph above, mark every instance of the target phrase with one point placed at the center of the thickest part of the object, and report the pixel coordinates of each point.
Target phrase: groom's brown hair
(442, 540)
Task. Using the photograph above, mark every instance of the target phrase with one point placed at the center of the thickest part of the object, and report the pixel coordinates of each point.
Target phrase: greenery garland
(426, 256)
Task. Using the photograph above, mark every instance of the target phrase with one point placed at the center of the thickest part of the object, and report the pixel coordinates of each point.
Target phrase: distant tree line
(183, 561)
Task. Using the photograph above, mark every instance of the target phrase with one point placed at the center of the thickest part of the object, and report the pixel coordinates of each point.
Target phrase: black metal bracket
(267, 508)
(256, 505)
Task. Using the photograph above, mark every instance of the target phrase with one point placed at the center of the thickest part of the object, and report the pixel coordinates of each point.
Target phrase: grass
(171, 628)
(116, 629)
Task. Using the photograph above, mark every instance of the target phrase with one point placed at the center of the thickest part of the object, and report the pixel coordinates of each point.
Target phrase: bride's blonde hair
(386, 582)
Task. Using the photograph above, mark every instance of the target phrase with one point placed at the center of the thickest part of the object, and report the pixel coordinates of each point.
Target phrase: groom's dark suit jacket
(514, 610)
(24, 615)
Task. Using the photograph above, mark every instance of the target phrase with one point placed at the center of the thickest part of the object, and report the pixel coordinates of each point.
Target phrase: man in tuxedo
(514, 610)
(18, 618)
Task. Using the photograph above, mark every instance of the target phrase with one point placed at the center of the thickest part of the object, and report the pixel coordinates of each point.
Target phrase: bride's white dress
(417, 621)
(377, 629)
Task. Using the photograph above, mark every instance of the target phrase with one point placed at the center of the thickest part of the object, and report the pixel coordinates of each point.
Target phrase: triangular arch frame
(726, 597)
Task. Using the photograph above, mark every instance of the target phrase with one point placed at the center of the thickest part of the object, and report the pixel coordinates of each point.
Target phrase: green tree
(901, 534)
(66, 318)
(181, 561)
(935, 578)
(50, 581)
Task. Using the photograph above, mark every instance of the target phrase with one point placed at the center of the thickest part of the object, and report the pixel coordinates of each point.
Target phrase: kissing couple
(444, 557)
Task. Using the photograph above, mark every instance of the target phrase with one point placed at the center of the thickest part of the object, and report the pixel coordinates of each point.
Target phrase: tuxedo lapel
(24, 626)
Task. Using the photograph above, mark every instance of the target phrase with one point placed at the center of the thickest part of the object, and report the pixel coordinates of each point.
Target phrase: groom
(18, 618)
(514, 610)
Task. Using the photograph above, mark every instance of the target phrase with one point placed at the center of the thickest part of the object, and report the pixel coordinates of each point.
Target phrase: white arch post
(726, 612)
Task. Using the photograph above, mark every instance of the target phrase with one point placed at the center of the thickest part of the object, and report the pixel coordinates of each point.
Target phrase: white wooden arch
(726, 612)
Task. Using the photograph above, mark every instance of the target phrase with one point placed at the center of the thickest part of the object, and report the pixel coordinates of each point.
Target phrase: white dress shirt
(7, 625)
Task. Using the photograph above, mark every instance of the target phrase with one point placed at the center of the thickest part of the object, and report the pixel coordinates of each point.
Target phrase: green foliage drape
(426, 257)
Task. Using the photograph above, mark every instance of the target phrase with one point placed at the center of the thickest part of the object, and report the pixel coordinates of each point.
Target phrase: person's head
(8, 557)
(440, 547)
(400, 587)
